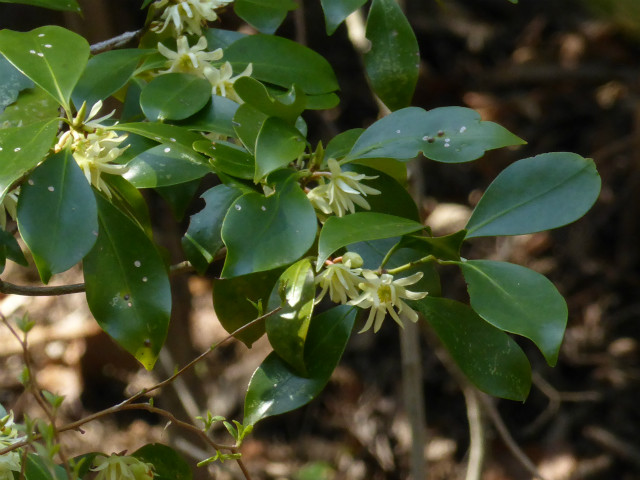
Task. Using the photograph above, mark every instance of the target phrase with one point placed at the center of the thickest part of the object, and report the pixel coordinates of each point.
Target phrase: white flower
(189, 59)
(343, 191)
(222, 80)
(187, 15)
(341, 279)
(383, 294)
(121, 467)
(9, 462)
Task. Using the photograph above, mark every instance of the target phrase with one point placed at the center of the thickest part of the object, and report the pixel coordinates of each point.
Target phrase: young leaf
(287, 329)
(336, 11)
(274, 388)
(235, 300)
(106, 73)
(488, 357)
(13, 82)
(202, 240)
(265, 15)
(282, 62)
(167, 463)
(53, 57)
(277, 145)
(215, 117)
(518, 300)
(534, 194)
(128, 285)
(166, 165)
(393, 62)
(287, 107)
(445, 134)
(22, 148)
(263, 233)
(57, 215)
(339, 232)
(63, 5)
(174, 96)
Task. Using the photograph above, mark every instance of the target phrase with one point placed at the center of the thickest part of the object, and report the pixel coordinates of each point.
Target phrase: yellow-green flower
(10, 461)
(188, 59)
(187, 15)
(121, 467)
(382, 294)
(341, 279)
(342, 192)
(222, 80)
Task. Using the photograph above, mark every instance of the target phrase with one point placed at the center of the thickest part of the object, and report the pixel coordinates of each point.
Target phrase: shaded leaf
(64, 5)
(336, 11)
(160, 132)
(10, 249)
(288, 106)
(247, 123)
(265, 15)
(39, 468)
(445, 248)
(174, 96)
(215, 117)
(219, 38)
(277, 144)
(179, 197)
(228, 158)
(167, 463)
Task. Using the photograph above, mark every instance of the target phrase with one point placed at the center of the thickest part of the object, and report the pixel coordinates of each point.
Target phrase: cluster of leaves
(177, 126)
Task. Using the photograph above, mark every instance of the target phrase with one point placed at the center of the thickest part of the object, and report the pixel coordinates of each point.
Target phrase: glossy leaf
(13, 82)
(274, 387)
(247, 123)
(445, 248)
(179, 197)
(336, 11)
(128, 286)
(219, 38)
(167, 463)
(491, 359)
(277, 145)
(282, 62)
(265, 15)
(202, 240)
(263, 233)
(174, 96)
(22, 148)
(53, 57)
(40, 468)
(446, 134)
(33, 105)
(340, 145)
(57, 215)
(228, 158)
(287, 329)
(393, 62)
(166, 165)
(518, 300)
(288, 106)
(324, 101)
(105, 74)
(534, 194)
(235, 300)
(160, 132)
(64, 5)
(215, 117)
(130, 201)
(10, 250)
(339, 232)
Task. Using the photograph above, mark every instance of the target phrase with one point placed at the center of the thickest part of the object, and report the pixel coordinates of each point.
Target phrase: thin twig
(115, 42)
(477, 433)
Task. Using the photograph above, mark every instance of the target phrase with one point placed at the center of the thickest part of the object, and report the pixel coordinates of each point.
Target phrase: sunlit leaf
(13, 82)
(174, 96)
(33, 105)
(277, 145)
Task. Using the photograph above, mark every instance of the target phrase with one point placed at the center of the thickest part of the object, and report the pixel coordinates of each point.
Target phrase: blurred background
(564, 76)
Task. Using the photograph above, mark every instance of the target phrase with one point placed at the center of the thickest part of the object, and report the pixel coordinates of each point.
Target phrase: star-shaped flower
(187, 15)
(222, 80)
(341, 279)
(188, 59)
(121, 467)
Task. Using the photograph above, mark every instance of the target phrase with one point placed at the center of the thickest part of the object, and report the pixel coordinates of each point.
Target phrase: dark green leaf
(57, 215)
(228, 158)
(167, 463)
(202, 240)
(33, 105)
(263, 233)
(277, 145)
(336, 11)
(247, 123)
(446, 134)
(275, 388)
(128, 285)
(444, 248)
(322, 102)
(535, 194)
(488, 357)
(22, 148)
(179, 197)
(393, 62)
(53, 57)
(288, 106)
(174, 96)
(518, 300)
(287, 329)
(166, 165)
(282, 62)
(10, 249)
(13, 82)
(160, 132)
(265, 15)
(234, 301)
(130, 201)
(339, 232)
(106, 73)
(341, 144)
(215, 117)
(64, 5)
(218, 38)
(39, 468)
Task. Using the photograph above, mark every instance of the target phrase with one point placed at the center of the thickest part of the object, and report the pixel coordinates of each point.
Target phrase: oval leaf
(518, 300)
(263, 233)
(277, 144)
(287, 329)
(446, 134)
(534, 194)
(53, 57)
(265, 15)
(57, 215)
(167, 463)
(336, 11)
(274, 388)
(215, 117)
(128, 286)
(339, 232)
(288, 107)
(393, 62)
(491, 359)
(174, 96)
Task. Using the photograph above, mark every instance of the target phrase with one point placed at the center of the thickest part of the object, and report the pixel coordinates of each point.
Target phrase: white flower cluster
(9, 462)
(342, 192)
(187, 15)
(121, 467)
(196, 60)
(367, 289)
